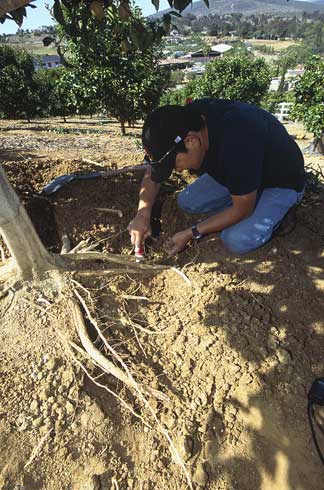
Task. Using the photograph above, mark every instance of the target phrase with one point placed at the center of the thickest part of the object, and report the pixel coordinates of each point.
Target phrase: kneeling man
(251, 171)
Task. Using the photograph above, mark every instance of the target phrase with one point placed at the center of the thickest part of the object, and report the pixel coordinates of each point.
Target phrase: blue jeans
(206, 195)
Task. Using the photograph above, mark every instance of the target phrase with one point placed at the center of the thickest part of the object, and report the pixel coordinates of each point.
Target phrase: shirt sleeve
(242, 151)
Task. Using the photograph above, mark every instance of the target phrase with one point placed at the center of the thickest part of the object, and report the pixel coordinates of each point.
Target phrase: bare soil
(235, 350)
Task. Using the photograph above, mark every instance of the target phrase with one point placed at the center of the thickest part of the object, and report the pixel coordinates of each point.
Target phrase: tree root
(84, 369)
(123, 374)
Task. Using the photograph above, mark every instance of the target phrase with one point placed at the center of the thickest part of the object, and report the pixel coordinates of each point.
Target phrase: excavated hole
(78, 210)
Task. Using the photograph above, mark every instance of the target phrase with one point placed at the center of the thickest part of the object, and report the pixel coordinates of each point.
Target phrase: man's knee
(240, 240)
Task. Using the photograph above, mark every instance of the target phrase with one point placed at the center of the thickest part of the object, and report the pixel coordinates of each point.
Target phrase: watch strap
(195, 233)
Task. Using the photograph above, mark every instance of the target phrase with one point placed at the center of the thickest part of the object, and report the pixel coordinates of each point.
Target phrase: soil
(235, 349)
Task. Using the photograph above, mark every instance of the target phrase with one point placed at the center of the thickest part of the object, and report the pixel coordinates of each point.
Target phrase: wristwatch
(195, 233)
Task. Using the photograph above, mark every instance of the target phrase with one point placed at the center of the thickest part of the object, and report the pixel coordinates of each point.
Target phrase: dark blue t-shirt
(249, 149)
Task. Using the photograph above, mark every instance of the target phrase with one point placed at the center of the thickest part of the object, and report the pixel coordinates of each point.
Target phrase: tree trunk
(317, 145)
(19, 233)
(122, 127)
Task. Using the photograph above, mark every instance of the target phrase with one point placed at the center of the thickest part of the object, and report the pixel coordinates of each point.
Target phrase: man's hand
(178, 242)
(140, 228)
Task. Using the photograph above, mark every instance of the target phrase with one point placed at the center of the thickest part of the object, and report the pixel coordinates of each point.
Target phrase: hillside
(250, 7)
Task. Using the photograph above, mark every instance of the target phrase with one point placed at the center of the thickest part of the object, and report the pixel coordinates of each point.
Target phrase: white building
(48, 61)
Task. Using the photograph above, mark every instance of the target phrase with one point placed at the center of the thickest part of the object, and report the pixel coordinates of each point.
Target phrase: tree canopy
(17, 85)
(142, 33)
(232, 77)
(309, 94)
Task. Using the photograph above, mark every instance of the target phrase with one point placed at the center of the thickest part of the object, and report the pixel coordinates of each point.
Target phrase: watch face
(195, 232)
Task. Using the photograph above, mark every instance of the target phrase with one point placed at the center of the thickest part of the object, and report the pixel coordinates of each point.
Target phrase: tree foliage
(55, 93)
(309, 94)
(233, 78)
(18, 88)
(142, 33)
(106, 67)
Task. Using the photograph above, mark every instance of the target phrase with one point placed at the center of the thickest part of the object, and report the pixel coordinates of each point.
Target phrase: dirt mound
(234, 350)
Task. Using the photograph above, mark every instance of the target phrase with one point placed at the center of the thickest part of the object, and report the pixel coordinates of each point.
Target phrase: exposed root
(117, 259)
(4, 294)
(107, 272)
(80, 246)
(66, 244)
(137, 326)
(128, 261)
(124, 374)
(110, 210)
(130, 380)
(84, 369)
(37, 449)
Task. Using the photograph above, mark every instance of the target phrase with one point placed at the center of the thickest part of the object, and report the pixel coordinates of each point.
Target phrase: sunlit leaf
(176, 14)
(181, 4)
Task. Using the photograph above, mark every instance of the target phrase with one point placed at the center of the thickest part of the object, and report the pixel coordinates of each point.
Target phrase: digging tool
(63, 180)
(139, 253)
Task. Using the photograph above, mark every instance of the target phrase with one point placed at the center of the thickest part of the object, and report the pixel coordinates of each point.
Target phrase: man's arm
(241, 209)
(140, 227)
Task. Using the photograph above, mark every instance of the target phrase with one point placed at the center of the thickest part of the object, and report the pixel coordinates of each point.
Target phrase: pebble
(23, 426)
(69, 408)
(283, 356)
(37, 422)
(34, 407)
(203, 399)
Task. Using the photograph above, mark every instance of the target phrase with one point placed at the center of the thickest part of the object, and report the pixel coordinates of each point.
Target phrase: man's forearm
(148, 192)
(220, 221)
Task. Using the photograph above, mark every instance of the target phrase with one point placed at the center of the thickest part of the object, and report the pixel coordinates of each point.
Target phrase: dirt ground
(234, 349)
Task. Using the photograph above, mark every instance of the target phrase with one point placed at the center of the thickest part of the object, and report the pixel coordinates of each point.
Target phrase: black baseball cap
(163, 137)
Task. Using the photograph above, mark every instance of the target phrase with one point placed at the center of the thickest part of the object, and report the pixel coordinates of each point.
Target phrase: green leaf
(181, 4)
(156, 4)
(176, 14)
(58, 14)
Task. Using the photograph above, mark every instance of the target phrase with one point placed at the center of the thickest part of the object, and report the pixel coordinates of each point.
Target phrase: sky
(40, 16)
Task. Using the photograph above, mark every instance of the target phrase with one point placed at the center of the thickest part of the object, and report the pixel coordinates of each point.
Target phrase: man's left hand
(178, 242)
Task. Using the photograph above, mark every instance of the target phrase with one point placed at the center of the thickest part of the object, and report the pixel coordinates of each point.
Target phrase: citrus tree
(18, 88)
(234, 78)
(124, 80)
(55, 89)
(309, 100)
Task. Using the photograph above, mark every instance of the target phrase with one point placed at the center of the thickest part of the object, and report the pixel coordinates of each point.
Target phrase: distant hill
(249, 7)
